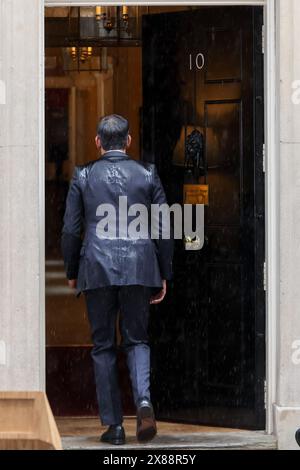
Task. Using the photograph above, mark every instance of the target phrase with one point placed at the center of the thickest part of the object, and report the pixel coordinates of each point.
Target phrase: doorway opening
(177, 69)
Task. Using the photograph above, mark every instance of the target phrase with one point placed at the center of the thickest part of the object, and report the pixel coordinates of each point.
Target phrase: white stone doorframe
(272, 180)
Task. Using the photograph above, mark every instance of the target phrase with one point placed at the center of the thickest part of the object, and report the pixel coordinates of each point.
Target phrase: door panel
(208, 361)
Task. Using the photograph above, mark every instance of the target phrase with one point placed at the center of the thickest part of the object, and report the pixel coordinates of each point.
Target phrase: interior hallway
(83, 433)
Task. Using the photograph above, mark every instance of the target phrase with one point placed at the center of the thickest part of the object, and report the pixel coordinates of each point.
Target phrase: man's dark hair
(113, 132)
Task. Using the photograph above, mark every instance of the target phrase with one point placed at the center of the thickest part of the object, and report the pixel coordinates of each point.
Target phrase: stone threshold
(232, 440)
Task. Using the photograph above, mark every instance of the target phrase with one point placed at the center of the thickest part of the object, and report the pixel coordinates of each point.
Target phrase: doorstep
(83, 434)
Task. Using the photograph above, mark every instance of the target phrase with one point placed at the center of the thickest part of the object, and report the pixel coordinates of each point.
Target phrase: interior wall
(91, 95)
(127, 90)
(118, 90)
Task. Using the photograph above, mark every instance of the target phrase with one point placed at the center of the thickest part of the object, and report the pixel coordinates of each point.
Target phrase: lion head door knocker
(195, 191)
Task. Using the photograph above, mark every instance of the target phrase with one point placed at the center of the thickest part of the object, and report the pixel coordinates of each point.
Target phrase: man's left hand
(156, 299)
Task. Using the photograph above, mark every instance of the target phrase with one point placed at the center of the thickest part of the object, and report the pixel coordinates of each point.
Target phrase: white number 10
(199, 61)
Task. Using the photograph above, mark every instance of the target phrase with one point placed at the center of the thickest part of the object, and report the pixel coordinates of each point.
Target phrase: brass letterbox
(196, 194)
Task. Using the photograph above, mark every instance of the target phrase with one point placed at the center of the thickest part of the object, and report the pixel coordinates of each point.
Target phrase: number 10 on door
(197, 61)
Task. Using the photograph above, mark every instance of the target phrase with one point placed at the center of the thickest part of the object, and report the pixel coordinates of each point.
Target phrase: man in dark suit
(116, 272)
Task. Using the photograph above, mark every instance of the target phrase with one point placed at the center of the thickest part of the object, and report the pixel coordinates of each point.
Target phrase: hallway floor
(83, 433)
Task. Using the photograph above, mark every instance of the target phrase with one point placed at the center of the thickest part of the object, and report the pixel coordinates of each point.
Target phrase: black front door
(204, 69)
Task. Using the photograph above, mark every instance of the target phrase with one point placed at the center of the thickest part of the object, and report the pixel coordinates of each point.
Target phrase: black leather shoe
(115, 434)
(298, 437)
(146, 425)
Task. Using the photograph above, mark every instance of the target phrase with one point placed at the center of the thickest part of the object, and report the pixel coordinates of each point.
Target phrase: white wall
(287, 408)
(21, 321)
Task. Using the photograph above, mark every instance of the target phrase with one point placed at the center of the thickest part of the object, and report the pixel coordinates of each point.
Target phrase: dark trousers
(103, 305)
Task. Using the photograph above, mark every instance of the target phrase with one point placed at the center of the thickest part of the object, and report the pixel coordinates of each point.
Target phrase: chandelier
(99, 26)
(80, 53)
(110, 18)
(106, 25)
(85, 33)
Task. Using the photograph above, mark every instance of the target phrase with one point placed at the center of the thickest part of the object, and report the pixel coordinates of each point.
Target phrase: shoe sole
(297, 436)
(116, 442)
(147, 428)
